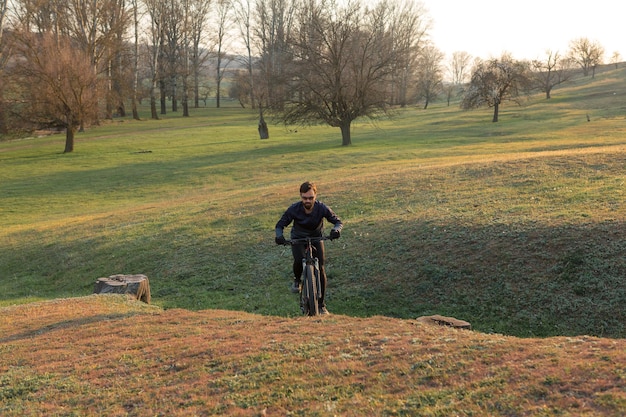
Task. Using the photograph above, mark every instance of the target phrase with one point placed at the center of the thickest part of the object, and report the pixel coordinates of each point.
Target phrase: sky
(525, 28)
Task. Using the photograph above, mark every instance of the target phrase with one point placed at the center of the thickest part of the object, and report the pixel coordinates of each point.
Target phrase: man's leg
(298, 254)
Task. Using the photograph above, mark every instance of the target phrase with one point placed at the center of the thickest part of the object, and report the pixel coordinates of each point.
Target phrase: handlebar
(307, 240)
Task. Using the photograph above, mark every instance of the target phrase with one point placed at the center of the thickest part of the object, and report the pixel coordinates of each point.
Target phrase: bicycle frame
(311, 292)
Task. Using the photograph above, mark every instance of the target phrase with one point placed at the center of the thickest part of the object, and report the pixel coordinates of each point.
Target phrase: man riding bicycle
(308, 221)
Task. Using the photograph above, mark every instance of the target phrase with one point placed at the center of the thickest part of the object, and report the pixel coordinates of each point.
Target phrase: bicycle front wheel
(309, 292)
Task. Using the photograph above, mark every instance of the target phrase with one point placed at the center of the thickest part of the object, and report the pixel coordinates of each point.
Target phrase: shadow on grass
(525, 280)
(67, 324)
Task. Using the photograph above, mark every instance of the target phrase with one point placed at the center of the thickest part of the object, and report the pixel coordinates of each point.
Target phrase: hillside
(516, 226)
(105, 355)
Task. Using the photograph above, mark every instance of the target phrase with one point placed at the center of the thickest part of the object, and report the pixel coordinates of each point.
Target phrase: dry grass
(105, 355)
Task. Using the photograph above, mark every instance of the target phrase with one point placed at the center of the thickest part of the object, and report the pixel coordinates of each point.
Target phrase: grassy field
(516, 227)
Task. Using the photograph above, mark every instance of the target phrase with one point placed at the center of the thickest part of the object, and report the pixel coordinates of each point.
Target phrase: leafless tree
(275, 22)
(429, 74)
(274, 26)
(344, 61)
(586, 54)
(243, 17)
(156, 12)
(495, 81)
(409, 25)
(97, 27)
(114, 24)
(459, 67)
(553, 70)
(135, 86)
(224, 21)
(458, 70)
(198, 18)
(57, 80)
(184, 55)
(41, 16)
(172, 50)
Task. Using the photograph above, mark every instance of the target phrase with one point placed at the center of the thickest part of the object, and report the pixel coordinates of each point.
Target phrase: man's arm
(332, 218)
(284, 221)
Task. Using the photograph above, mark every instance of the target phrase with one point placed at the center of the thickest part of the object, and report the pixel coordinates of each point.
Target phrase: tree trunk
(264, 132)
(69, 139)
(185, 95)
(109, 92)
(218, 80)
(496, 108)
(153, 100)
(196, 89)
(163, 98)
(345, 134)
(174, 96)
(185, 108)
(3, 122)
(153, 106)
(135, 109)
(135, 62)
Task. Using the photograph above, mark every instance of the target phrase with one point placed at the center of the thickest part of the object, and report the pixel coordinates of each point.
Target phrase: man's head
(308, 191)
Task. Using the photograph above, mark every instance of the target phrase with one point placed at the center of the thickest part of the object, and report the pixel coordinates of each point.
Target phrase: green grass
(515, 226)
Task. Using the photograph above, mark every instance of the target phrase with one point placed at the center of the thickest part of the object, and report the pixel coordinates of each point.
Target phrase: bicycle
(311, 290)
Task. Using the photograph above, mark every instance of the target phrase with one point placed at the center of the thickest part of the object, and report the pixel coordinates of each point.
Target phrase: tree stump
(445, 321)
(137, 285)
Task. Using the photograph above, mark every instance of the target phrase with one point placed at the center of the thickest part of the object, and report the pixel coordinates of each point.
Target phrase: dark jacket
(307, 225)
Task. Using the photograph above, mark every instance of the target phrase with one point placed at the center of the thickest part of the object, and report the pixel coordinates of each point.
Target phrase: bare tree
(275, 22)
(156, 11)
(243, 17)
(185, 67)
(198, 19)
(344, 61)
(224, 22)
(57, 81)
(429, 74)
(135, 87)
(459, 67)
(41, 16)
(550, 72)
(172, 50)
(495, 81)
(114, 25)
(458, 71)
(586, 54)
(96, 26)
(409, 26)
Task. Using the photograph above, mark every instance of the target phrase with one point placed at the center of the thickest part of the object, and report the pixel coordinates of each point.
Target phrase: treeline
(66, 64)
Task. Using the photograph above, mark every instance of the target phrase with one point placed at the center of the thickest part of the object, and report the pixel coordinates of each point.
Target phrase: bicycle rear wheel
(309, 292)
